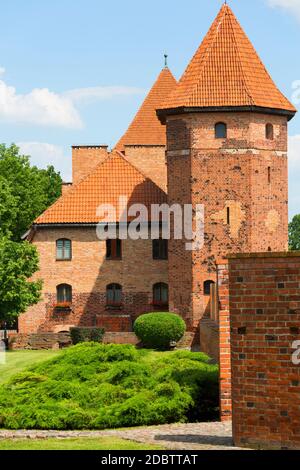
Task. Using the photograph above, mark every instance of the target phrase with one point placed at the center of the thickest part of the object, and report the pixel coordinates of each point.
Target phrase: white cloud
(43, 154)
(43, 107)
(291, 5)
(40, 106)
(86, 95)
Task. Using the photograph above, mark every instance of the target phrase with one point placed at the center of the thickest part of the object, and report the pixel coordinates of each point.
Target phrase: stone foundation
(60, 340)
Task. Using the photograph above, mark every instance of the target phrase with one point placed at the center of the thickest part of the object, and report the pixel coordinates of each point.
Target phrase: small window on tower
(220, 130)
(228, 215)
(269, 174)
(269, 132)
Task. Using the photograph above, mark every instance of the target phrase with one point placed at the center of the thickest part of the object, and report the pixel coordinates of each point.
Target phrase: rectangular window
(63, 250)
(114, 249)
(160, 249)
(269, 174)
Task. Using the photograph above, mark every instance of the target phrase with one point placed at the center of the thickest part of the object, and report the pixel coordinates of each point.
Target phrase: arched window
(64, 293)
(161, 294)
(63, 249)
(207, 286)
(220, 130)
(269, 132)
(114, 295)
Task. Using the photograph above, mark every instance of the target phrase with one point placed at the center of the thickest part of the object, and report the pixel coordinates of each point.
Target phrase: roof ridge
(74, 187)
(205, 59)
(145, 127)
(240, 61)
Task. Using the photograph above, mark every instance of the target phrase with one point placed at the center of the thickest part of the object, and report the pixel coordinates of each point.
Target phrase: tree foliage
(18, 262)
(27, 189)
(294, 233)
(25, 192)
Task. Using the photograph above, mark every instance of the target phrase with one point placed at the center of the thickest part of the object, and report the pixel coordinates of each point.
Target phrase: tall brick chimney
(85, 158)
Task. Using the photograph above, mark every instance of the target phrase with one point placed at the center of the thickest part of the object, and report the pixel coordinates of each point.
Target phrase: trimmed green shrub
(97, 386)
(84, 335)
(159, 330)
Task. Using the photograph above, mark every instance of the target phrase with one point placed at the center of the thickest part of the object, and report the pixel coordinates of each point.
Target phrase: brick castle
(218, 137)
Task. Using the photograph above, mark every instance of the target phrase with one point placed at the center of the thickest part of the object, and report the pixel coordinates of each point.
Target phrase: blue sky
(75, 71)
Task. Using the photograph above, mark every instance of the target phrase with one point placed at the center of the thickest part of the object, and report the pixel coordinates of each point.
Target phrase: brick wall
(85, 158)
(264, 303)
(209, 338)
(150, 160)
(224, 343)
(89, 273)
(224, 175)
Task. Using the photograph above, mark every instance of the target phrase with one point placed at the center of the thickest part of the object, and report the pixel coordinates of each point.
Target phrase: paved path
(196, 436)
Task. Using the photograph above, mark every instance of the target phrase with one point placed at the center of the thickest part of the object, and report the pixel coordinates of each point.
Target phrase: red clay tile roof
(146, 129)
(113, 178)
(226, 72)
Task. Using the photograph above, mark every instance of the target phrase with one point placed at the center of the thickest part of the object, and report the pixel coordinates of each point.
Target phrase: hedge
(159, 330)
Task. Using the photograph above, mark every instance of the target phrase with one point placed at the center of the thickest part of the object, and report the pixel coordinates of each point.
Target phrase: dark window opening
(114, 295)
(220, 130)
(228, 215)
(64, 293)
(161, 294)
(63, 249)
(207, 287)
(269, 174)
(269, 132)
(114, 249)
(160, 249)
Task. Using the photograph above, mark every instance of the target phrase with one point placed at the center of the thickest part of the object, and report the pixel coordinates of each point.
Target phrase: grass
(17, 361)
(104, 443)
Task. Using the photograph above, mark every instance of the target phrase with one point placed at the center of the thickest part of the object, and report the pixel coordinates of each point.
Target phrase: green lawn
(16, 361)
(104, 443)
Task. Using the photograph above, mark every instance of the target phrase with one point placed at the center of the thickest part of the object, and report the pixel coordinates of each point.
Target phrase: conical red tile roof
(146, 128)
(111, 179)
(226, 72)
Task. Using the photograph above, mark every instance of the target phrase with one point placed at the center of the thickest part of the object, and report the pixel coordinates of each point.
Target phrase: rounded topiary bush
(159, 330)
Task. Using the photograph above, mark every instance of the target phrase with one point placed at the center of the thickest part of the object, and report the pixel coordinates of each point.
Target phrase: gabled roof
(226, 72)
(111, 179)
(146, 128)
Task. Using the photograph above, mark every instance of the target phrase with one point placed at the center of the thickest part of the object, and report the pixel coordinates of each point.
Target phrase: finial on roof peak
(166, 61)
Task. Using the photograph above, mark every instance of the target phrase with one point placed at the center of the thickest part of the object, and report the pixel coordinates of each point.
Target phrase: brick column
(224, 343)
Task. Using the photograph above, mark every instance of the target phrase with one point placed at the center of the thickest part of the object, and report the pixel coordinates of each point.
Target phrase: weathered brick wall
(89, 273)
(150, 160)
(44, 340)
(85, 158)
(209, 338)
(264, 303)
(39, 341)
(225, 174)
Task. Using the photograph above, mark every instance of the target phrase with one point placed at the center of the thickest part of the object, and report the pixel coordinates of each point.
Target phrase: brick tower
(226, 149)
